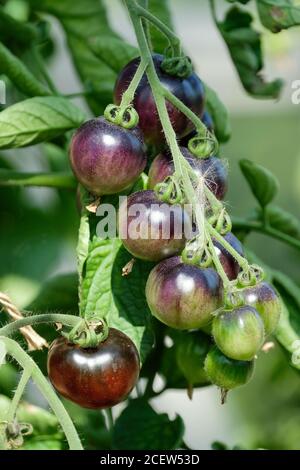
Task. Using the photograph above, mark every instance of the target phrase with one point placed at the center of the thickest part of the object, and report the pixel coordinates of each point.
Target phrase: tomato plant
(166, 286)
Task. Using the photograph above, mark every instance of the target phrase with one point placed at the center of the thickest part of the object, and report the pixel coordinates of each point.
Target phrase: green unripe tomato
(191, 350)
(239, 333)
(266, 301)
(227, 373)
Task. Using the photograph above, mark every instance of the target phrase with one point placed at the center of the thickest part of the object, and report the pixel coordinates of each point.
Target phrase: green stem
(63, 180)
(216, 261)
(25, 361)
(13, 327)
(219, 238)
(160, 94)
(128, 96)
(266, 230)
(145, 4)
(169, 34)
(184, 109)
(18, 395)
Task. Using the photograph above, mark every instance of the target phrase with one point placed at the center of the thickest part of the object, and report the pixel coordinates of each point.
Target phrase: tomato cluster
(107, 156)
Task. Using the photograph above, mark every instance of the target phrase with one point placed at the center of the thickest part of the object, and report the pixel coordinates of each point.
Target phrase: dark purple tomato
(183, 296)
(266, 301)
(230, 266)
(189, 90)
(207, 121)
(212, 168)
(106, 158)
(239, 333)
(94, 377)
(151, 229)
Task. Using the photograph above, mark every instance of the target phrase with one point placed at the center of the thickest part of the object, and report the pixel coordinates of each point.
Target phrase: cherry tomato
(266, 301)
(151, 229)
(230, 266)
(212, 168)
(189, 90)
(227, 373)
(106, 158)
(94, 377)
(239, 333)
(183, 296)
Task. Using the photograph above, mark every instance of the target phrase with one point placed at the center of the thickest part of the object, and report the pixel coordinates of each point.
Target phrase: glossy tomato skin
(227, 373)
(212, 168)
(94, 377)
(106, 158)
(230, 265)
(239, 333)
(266, 301)
(183, 296)
(189, 90)
(165, 230)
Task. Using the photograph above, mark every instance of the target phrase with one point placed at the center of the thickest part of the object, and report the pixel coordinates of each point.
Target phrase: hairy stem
(169, 34)
(18, 395)
(128, 96)
(11, 328)
(25, 361)
(255, 226)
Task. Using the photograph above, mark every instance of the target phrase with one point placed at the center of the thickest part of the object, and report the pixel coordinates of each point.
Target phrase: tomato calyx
(170, 190)
(178, 66)
(250, 277)
(88, 333)
(15, 433)
(124, 116)
(204, 144)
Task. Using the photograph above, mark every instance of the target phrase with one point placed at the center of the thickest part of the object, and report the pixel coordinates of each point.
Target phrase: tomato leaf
(36, 120)
(148, 429)
(278, 14)
(244, 45)
(160, 9)
(219, 114)
(98, 52)
(281, 220)
(119, 299)
(19, 74)
(262, 182)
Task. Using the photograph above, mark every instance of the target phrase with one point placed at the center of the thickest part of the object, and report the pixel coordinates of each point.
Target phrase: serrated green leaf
(96, 59)
(262, 182)
(36, 120)
(279, 14)
(160, 9)
(219, 114)
(148, 429)
(244, 45)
